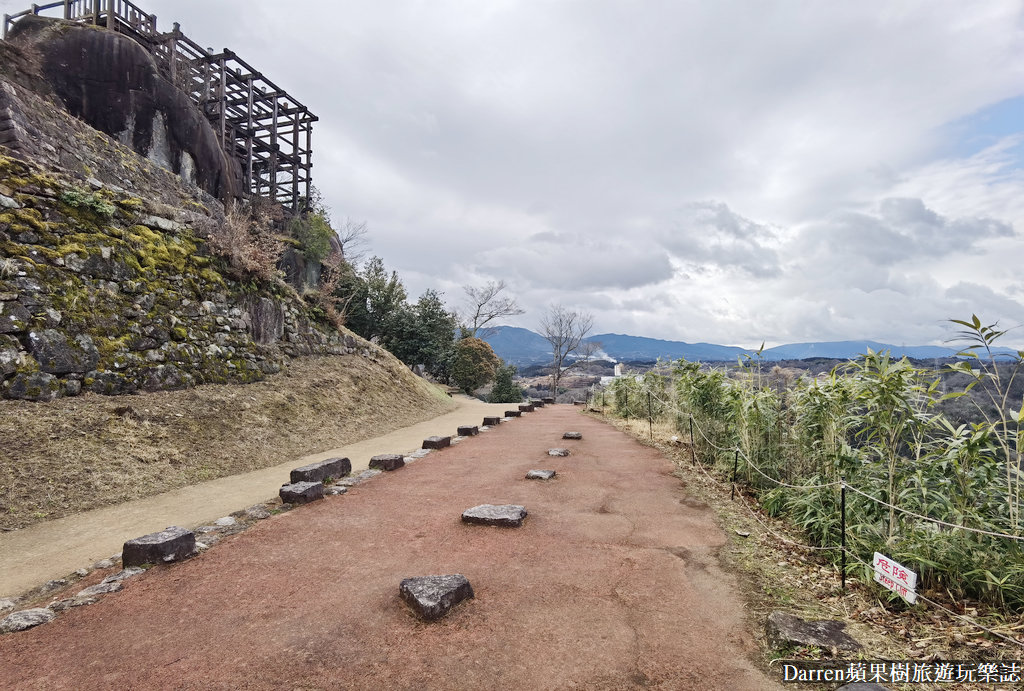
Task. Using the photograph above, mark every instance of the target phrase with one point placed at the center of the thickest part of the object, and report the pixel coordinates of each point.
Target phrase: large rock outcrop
(113, 84)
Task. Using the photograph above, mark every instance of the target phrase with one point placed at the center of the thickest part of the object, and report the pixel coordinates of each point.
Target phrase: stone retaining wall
(100, 294)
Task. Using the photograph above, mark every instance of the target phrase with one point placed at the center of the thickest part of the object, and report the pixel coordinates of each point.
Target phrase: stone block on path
(301, 492)
(437, 442)
(558, 452)
(168, 545)
(468, 431)
(537, 404)
(526, 408)
(513, 413)
(787, 629)
(572, 435)
(540, 475)
(432, 597)
(25, 619)
(101, 589)
(387, 461)
(504, 515)
(549, 401)
(492, 421)
(333, 468)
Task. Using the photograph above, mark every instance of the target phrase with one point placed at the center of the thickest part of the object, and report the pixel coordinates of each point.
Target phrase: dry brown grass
(80, 453)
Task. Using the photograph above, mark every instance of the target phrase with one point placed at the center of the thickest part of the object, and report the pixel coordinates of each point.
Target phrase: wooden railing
(117, 15)
(257, 123)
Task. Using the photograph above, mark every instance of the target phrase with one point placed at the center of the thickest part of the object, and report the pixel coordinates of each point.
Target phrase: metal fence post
(650, 418)
(842, 529)
(735, 467)
(693, 449)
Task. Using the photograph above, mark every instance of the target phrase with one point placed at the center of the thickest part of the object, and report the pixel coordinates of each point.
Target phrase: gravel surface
(612, 582)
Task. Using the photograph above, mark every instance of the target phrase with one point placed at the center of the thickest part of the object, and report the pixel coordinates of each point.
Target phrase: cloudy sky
(726, 171)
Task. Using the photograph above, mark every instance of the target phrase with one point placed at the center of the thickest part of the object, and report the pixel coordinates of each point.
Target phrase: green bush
(314, 233)
(475, 364)
(505, 390)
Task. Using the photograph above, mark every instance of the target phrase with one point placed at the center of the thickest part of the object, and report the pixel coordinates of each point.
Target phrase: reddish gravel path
(611, 583)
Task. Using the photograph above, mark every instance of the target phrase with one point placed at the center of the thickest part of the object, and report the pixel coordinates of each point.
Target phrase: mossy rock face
(10, 356)
(33, 386)
(14, 318)
(107, 300)
(57, 354)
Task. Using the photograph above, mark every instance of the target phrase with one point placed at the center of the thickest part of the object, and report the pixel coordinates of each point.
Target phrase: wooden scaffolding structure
(259, 125)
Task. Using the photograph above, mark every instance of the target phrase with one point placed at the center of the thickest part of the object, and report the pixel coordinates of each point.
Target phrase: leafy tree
(505, 390)
(474, 365)
(385, 296)
(424, 334)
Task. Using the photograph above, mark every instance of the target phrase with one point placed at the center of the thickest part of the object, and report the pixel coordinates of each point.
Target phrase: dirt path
(610, 583)
(34, 555)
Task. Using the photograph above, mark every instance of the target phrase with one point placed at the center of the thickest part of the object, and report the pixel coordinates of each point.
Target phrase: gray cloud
(568, 147)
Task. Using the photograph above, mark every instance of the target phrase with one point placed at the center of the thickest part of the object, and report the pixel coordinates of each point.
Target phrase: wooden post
(273, 151)
(67, 9)
(249, 134)
(296, 166)
(172, 56)
(309, 157)
(111, 15)
(7, 23)
(222, 98)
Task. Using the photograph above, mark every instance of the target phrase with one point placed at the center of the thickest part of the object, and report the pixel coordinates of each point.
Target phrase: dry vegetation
(80, 453)
(774, 575)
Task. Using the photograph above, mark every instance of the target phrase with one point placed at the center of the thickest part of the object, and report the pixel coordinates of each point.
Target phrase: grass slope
(89, 451)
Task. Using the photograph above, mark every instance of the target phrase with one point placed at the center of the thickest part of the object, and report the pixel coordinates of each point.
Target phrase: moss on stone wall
(158, 311)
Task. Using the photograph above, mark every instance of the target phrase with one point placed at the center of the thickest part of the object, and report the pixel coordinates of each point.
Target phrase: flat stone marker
(537, 404)
(512, 413)
(492, 421)
(572, 435)
(549, 401)
(792, 630)
(437, 442)
(301, 492)
(334, 468)
(101, 589)
(468, 431)
(558, 452)
(387, 461)
(526, 408)
(540, 475)
(504, 515)
(432, 597)
(157, 548)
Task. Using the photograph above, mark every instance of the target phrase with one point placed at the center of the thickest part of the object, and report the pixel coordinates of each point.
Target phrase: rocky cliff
(107, 200)
(113, 84)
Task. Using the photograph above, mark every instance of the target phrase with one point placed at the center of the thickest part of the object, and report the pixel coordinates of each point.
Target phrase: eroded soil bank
(76, 454)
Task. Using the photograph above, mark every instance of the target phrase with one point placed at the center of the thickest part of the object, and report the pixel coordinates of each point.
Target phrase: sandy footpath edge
(33, 555)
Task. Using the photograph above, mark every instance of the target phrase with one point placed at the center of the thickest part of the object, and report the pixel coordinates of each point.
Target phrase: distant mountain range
(523, 347)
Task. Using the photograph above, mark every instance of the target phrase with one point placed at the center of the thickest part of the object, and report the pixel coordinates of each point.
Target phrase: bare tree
(586, 352)
(484, 305)
(564, 330)
(352, 240)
